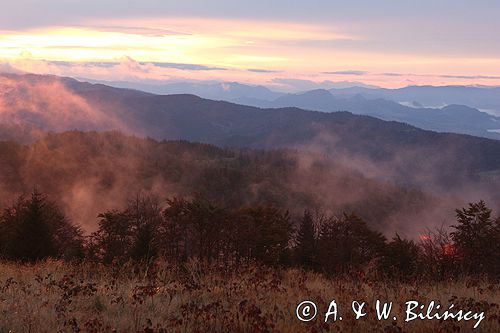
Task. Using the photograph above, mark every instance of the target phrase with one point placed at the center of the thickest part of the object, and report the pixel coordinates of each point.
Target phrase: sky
(281, 44)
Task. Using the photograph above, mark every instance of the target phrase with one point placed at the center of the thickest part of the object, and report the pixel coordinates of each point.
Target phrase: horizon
(331, 85)
(284, 46)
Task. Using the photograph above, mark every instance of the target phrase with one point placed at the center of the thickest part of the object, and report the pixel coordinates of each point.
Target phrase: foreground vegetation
(53, 296)
(203, 262)
(193, 266)
(34, 229)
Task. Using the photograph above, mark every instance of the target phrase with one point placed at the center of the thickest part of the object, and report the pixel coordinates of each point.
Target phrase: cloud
(130, 70)
(349, 72)
(144, 31)
(447, 76)
(111, 64)
(6, 67)
(256, 70)
(392, 74)
(50, 104)
(101, 64)
(191, 67)
(441, 76)
(294, 84)
(227, 48)
(471, 77)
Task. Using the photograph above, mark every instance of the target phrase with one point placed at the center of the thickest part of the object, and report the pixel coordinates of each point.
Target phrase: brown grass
(57, 297)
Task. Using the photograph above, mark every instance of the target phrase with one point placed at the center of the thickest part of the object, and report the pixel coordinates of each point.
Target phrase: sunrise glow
(249, 50)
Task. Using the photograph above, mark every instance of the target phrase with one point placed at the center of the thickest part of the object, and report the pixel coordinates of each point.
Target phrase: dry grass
(58, 297)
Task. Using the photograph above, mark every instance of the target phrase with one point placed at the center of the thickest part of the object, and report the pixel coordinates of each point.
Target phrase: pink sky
(165, 45)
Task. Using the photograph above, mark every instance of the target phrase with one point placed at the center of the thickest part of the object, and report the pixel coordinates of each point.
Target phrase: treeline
(34, 229)
(83, 171)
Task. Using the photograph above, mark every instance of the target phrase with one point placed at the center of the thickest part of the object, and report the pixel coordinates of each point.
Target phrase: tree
(437, 253)
(477, 239)
(174, 230)
(113, 239)
(346, 243)
(262, 233)
(400, 259)
(194, 228)
(35, 228)
(306, 242)
(132, 233)
(146, 218)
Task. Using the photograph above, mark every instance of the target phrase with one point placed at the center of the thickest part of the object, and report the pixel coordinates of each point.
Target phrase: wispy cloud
(6, 67)
(191, 67)
(102, 64)
(110, 64)
(134, 30)
(444, 76)
(392, 74)
(294, 84)
(471, 77)
(349, 72)
(245, 49)
(256, 70)
(129, 69)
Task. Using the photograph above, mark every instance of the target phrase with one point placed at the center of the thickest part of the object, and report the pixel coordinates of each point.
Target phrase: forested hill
(385, 150)
(88, 173)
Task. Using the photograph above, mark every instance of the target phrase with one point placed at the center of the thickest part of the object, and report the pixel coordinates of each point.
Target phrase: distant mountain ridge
(482, 98)
(227, 91)
(382, 149)
(440, 108)
(450, 119)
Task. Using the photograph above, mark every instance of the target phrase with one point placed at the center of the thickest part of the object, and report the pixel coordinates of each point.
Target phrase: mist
(395, 187)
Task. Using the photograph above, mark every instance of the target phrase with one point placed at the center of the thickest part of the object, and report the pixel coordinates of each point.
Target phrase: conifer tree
(306, 242)
(34, 229)
(476, 238)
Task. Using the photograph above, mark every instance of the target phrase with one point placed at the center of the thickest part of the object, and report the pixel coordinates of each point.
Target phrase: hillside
(449, 109)
(90, 172)
(379, 149)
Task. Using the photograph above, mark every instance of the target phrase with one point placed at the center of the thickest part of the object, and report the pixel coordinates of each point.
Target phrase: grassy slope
(58, 297)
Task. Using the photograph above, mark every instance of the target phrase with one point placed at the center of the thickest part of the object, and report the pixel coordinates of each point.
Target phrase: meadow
(57, 296)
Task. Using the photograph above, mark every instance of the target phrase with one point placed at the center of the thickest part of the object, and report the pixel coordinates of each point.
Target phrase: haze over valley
(396, 176)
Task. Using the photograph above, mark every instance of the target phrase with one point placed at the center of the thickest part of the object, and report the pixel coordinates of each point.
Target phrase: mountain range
(450, 118)
(452, 109)
(483, 98)
(381, 149)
